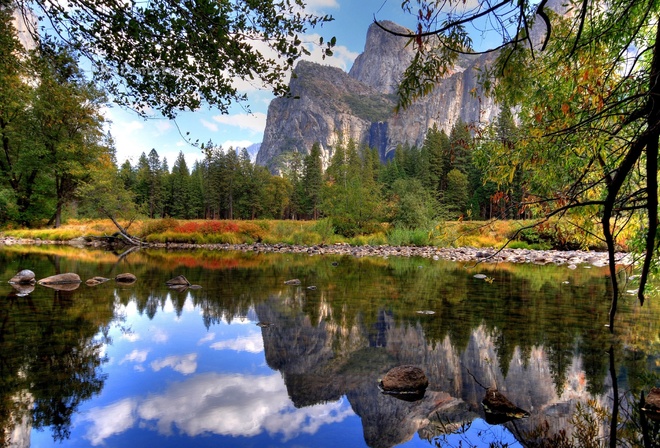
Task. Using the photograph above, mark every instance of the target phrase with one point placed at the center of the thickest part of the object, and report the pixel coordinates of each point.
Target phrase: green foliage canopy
(175, 55)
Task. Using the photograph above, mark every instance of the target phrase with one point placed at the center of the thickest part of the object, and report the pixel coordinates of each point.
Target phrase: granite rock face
(330, 106)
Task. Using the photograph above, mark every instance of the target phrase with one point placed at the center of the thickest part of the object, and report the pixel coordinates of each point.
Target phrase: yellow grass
(444, 234)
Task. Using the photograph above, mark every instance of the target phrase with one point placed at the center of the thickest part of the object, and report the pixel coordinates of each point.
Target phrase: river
(247, 360)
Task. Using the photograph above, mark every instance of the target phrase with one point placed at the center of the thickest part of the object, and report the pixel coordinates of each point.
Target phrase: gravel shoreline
(461, 254)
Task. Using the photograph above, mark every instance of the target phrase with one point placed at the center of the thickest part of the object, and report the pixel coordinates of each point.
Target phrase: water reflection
(147, 362)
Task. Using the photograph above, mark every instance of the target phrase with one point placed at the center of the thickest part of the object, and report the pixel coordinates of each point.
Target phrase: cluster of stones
(409, 383)
(460, 254)
(25, 280)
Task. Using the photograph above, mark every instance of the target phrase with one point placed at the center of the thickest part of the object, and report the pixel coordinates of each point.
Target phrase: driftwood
(122, 236)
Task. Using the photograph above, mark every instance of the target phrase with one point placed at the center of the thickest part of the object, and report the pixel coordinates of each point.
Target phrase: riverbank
(571, 258)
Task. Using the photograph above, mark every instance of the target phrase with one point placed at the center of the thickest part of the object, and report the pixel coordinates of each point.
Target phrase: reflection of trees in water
(337, 339)
(51, 358)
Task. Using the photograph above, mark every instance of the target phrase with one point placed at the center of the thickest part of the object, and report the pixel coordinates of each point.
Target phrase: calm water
(249, 361)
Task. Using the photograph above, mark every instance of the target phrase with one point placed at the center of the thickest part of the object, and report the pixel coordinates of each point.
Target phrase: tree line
(441, 180)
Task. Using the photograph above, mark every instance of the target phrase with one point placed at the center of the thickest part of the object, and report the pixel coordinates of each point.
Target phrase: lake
(247, 360)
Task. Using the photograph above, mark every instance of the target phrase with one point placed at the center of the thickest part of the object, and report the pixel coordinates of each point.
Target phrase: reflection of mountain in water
(322, 361)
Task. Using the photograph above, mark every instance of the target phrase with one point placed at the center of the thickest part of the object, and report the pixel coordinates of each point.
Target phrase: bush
(324, 228)
(405, 237)
(151, 227)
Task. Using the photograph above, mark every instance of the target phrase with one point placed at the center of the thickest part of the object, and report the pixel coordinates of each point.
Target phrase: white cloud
(253, 343)
(236, 144)
(137, 356)
(255, 122)
(185, 364)
(231, 405)
(320, 5)
(162, 126)
(208, 125)
(341, 58)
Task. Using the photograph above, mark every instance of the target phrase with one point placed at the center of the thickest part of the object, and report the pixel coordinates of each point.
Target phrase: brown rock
(651, 406)
(404, 379)
(177, 281)
(126, 278)
(24, 277)
(96, 281)
(60, 279)
(499, 409)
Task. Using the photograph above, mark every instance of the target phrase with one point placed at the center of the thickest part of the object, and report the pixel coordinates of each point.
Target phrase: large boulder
(24, 277)
(404, 380)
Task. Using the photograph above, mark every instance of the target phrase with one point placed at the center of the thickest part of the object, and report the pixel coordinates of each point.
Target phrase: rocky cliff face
(328, 105)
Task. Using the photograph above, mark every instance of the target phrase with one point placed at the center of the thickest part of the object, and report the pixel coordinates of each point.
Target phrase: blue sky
(134, 135)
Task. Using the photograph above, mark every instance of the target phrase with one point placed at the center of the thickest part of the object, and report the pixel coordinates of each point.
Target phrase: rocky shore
(462, 254)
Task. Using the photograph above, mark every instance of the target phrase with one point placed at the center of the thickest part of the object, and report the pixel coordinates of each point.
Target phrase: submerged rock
(293, 281)
(61, 279)
(24, 277)
(126, 278)
(404, 380)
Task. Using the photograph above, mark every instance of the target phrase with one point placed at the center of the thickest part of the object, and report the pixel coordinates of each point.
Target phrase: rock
(178, 280)
(480, 276)
(61, 279)
(312, 288)
(324, 99)
(499, 409)
(651, 406)
(404, 380)
(24, 277)
(126, 278)
(96, 281)
(293, 281)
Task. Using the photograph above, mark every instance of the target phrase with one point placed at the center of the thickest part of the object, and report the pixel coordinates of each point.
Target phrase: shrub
(157, 226)
(405, 237)
(324, 228)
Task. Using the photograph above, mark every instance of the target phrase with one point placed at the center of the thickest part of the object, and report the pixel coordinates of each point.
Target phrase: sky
(133, 134)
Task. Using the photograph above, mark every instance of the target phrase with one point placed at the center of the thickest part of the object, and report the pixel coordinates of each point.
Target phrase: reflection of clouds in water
(131, 337)
(185, 364)
(137, 356)
(230, 405)
(113, 419)
(252, 343)
(208, 338)
(158, 335)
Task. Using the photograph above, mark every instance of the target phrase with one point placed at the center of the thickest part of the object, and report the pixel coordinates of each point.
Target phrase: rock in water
(404, 380)
(651, 406)
(293, 281)
(499, 409)
(179, 280)
(126, 278)
(60, 279)
(24, 277)
(96, 281)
